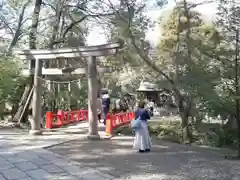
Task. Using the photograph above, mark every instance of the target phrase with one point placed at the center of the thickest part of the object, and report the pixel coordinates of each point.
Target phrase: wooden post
(36, 103)
(49, 120)
(92, 99)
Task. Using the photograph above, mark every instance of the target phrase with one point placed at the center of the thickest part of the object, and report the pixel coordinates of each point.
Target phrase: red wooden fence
(116, 120)
(61, 118)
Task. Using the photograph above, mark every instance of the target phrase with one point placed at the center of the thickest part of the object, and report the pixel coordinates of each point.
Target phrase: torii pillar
(42, 55)
(93, 87)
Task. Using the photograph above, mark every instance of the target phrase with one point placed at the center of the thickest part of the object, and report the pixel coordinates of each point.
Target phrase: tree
(129, 68)
(32, 45)
(228, 21)
(9, 79)
(185, 36)
(184, 93)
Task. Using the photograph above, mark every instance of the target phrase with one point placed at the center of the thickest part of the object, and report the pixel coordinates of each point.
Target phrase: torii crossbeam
(44, 55)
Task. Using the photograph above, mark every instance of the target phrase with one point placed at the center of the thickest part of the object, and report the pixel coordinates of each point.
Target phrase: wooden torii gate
(42, 55)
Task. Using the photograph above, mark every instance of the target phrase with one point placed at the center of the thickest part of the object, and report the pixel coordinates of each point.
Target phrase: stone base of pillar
(35, 132)
(93, 137)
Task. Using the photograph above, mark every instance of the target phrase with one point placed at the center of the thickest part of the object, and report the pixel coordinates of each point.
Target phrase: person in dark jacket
(99, 108)
(105, 106)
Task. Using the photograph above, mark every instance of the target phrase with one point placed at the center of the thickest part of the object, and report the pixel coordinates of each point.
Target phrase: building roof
(128, 94)
(146, 86)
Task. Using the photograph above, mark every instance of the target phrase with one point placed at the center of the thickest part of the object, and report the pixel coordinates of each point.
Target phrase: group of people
(142, 141)
(103, 106)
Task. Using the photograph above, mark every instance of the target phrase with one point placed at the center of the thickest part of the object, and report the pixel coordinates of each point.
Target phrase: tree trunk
(17, 116)
(237, 101)
(14, 110)
(35, 20)
(55, 63)
(184, 104)
(32, 45)
(184, 114)
(185, 130)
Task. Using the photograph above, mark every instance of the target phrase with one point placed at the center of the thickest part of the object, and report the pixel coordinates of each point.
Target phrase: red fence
(116, 120)
(56, 120)
(61, 118)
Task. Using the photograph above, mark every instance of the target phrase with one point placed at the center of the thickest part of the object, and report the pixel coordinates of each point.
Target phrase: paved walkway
(167, 161)
(22, 157)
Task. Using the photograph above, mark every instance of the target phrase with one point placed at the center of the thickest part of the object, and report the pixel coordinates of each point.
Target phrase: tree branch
(3, 20)
(18, 32)
(143, 56)
(147, 59)
(194, 5)
(47, 4)
(74, 23)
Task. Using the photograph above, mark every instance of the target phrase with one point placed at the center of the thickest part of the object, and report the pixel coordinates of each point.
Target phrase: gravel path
(167, 161)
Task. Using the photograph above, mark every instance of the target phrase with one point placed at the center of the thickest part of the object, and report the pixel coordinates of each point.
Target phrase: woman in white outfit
(142, 141)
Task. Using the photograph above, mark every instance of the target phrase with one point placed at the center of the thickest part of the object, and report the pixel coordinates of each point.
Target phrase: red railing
(116, 120)
(61, 118)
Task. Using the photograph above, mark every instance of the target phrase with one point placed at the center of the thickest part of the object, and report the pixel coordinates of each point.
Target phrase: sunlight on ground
(166, 161)
(154, 177)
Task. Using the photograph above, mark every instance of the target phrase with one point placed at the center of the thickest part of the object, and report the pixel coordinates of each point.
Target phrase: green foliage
(130, 23)
(10, 80)
(223, 101)
(76, 98)
(206, 134)
(199, 75)
(227, 137)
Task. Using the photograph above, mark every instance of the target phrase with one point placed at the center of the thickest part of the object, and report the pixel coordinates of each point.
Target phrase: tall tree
(184, 34)
(22, 111)
(228, 22)
(185, 37)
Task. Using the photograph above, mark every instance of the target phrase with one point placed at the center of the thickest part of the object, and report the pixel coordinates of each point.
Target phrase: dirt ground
(166, 161)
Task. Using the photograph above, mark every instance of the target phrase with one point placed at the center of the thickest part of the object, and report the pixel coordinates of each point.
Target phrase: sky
(96, 36)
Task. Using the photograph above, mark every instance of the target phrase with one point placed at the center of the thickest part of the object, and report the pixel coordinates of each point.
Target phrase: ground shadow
(166, 161)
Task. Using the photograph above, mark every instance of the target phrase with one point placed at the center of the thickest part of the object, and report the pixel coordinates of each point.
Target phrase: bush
(165, 131)
(227, 137)
(210, 135)
(209, 139)
(10, 79)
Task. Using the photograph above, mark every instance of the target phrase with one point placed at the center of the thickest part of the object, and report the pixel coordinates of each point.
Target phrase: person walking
(105, 106)
(142, 141)
(151, 107)
(99, 108)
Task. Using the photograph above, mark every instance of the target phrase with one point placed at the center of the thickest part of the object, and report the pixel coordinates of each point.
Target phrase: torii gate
(90, 51)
